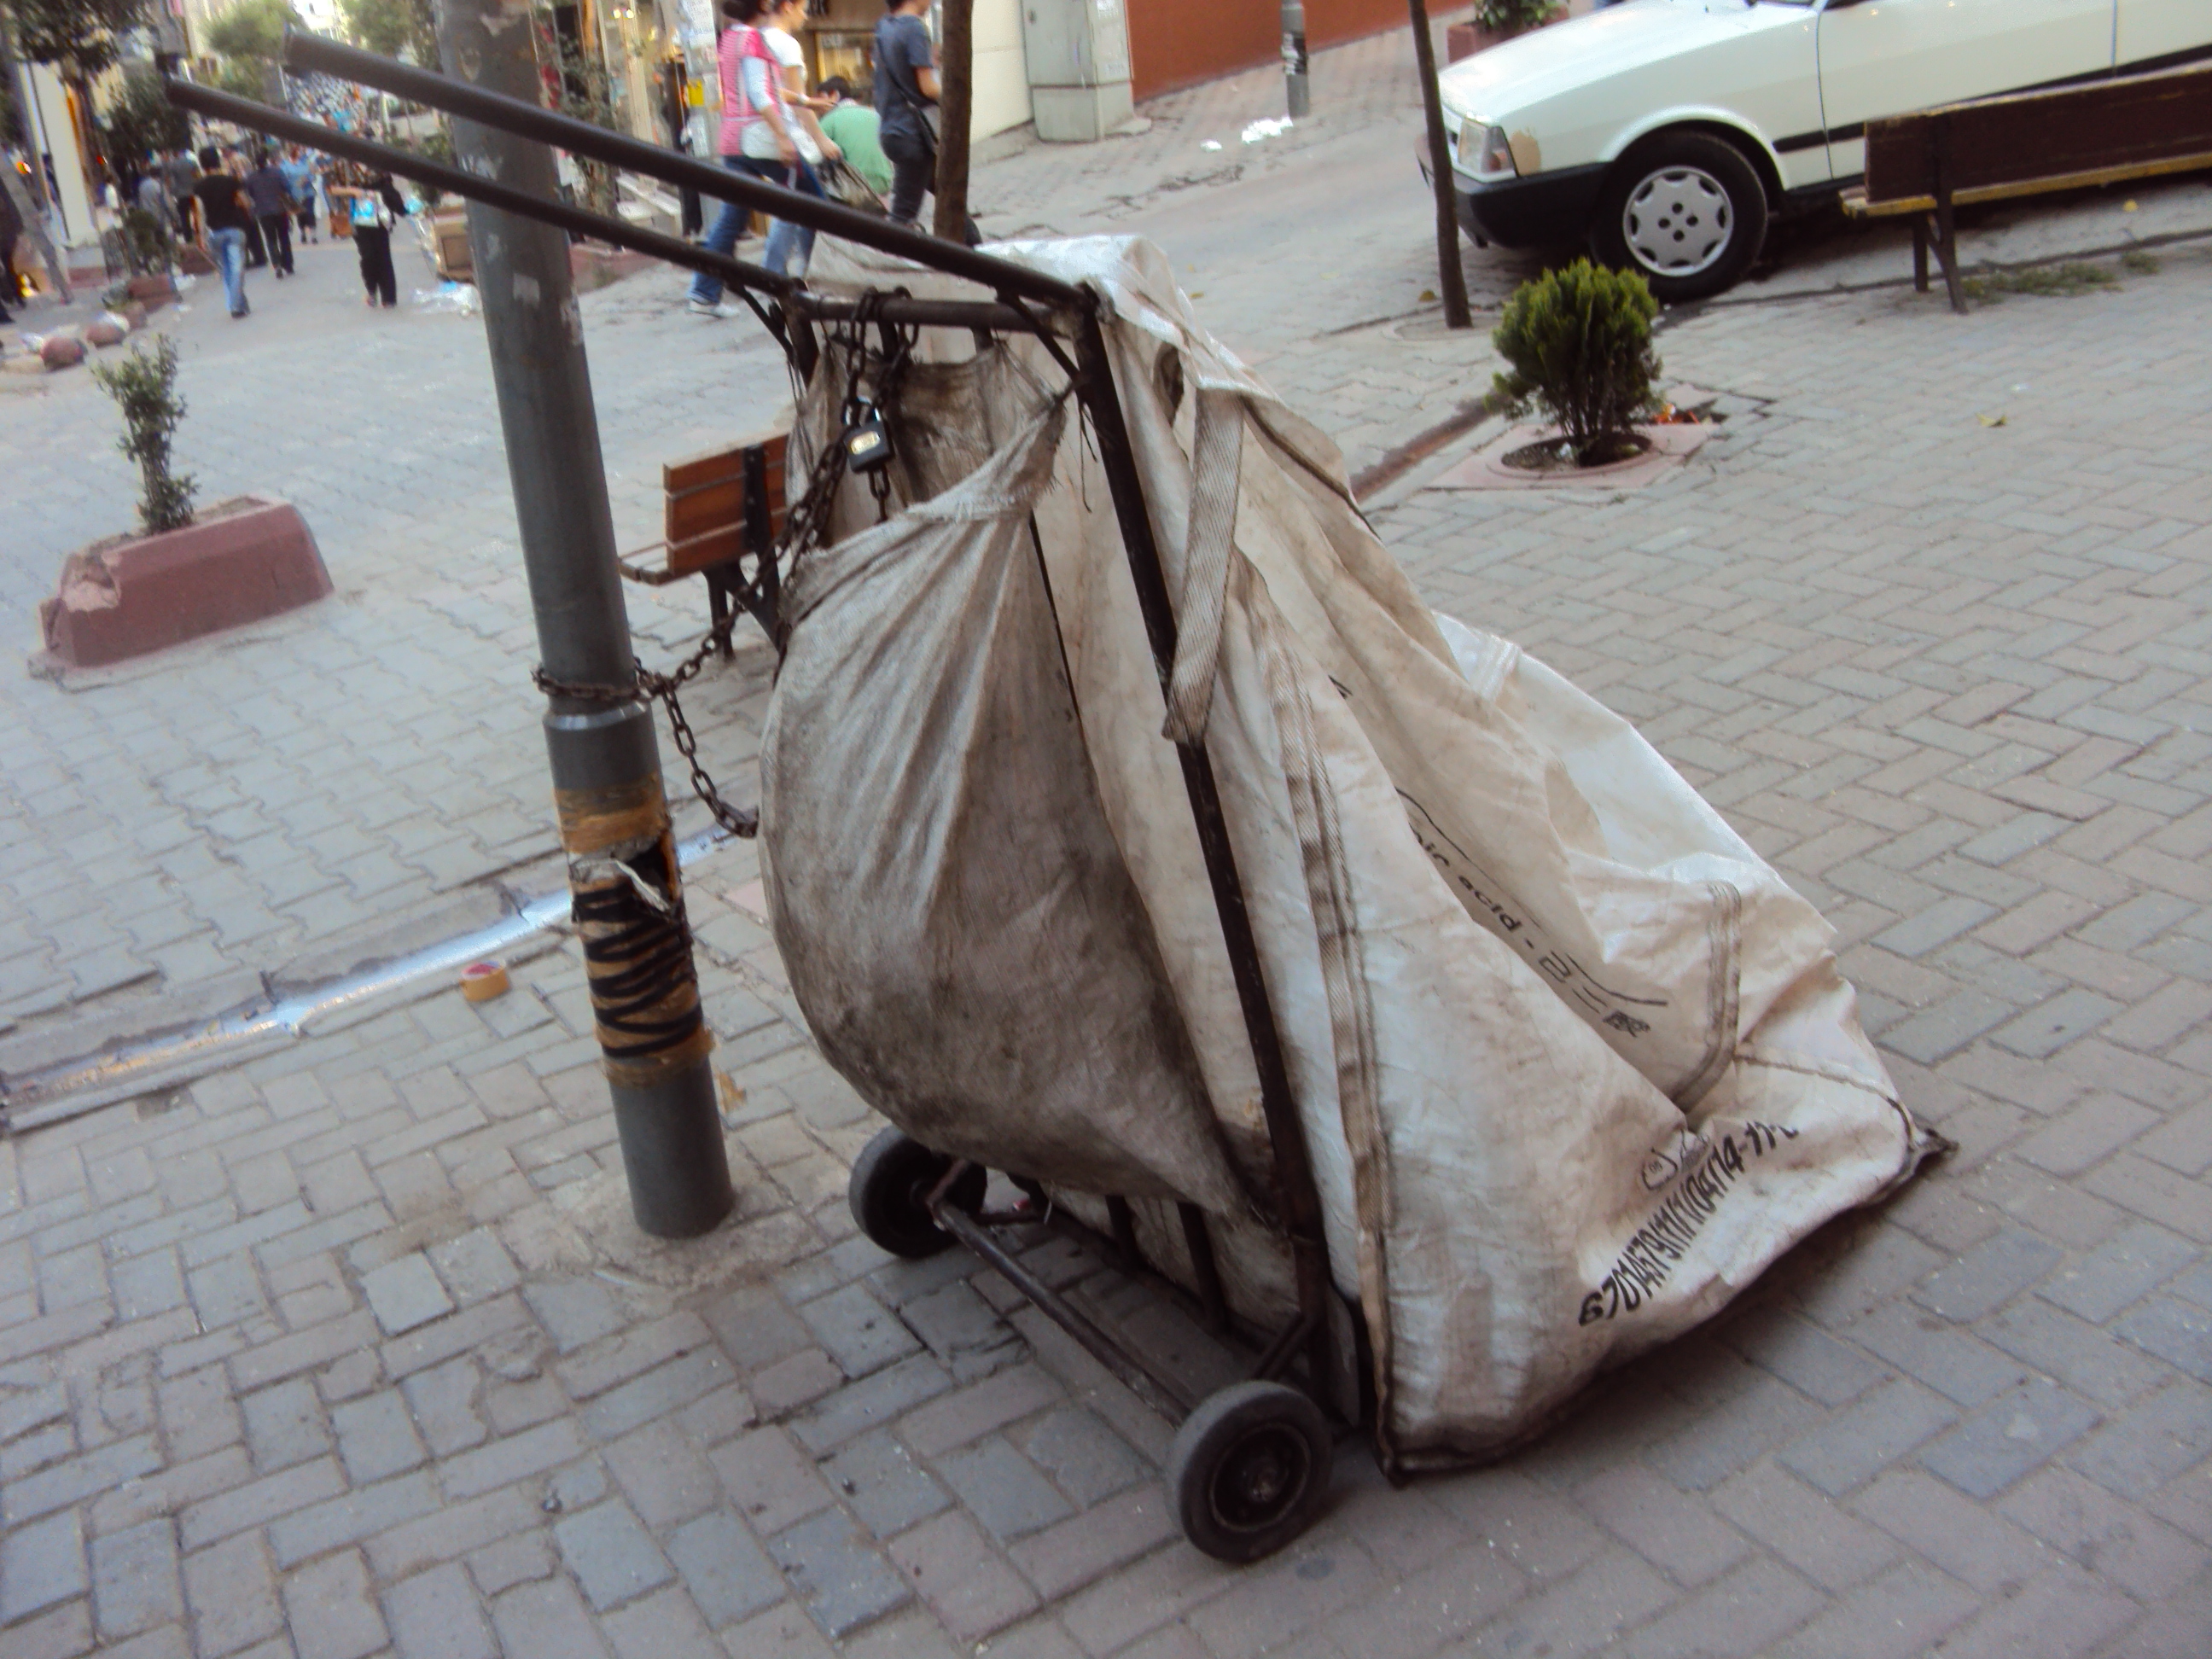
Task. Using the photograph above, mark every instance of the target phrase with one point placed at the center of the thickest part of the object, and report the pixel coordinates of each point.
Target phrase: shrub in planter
(1497, 21)
(1578, 342)
(190, 573)
(144, 387)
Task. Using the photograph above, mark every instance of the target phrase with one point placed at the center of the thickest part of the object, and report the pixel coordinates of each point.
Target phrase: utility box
(1079, 64)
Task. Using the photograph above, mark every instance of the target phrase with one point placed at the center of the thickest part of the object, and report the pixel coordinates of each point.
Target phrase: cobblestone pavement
(351, 1350)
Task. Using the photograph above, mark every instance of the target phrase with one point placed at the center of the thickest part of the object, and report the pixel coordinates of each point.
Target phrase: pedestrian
(11, 227)
(300, 187)
(789, 242)
(374, 208)
(256, 251)
(858, 134)
(906, 104)
(267, 189)
(758, 134)
(224, 214)
(181, 174)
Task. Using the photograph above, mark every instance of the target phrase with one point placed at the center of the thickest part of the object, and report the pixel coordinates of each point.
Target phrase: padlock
(868, 441)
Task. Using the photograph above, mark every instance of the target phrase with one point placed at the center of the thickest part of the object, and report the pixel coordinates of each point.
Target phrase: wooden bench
(2026, 143)
(722, 507)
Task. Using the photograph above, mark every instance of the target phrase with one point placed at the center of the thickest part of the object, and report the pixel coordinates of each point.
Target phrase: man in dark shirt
(270, 194)
(905, 103)
(224, 213)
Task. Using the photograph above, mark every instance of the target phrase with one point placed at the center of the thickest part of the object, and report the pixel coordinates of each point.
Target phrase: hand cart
(1250, 1466)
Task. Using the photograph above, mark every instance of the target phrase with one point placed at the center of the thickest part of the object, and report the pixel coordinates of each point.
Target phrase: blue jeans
(781, 236)
(229, 247)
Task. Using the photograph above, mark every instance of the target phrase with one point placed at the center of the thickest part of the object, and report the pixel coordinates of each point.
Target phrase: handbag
(845, 185)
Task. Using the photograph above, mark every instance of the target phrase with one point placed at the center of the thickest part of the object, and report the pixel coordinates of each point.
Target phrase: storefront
(1175, 43)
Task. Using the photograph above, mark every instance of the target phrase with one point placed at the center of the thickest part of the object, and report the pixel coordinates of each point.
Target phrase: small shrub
(1513, 16)
(1578, 341)
(144, 387)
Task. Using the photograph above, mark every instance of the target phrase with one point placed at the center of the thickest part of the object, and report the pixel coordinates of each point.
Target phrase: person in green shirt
(853, 128)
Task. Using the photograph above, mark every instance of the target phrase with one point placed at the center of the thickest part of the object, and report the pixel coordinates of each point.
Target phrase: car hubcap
(1678, 221)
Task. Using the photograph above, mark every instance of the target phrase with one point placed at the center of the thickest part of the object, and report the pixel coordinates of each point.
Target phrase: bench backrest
(2104, 126)
(724, 502)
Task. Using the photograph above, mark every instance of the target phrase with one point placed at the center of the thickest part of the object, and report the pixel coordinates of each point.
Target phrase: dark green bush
(1578, 341)
(1513, 16)
(144, 387)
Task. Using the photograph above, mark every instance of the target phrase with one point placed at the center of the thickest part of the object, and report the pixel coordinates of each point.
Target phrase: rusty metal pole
(605, 757)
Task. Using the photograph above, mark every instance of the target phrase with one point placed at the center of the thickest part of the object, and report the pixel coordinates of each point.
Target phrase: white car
(1665, 133)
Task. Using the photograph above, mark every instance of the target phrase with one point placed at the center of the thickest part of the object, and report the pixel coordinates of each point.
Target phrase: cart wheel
(1249, 1470)
(890, 1194)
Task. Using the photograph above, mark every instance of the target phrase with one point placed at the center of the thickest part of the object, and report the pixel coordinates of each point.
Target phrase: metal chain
(804, 526)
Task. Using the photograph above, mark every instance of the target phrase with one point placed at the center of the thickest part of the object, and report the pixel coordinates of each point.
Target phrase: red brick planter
(241, 561)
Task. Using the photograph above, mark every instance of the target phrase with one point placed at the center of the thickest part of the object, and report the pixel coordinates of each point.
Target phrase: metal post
(1451, 280)
(1297, 98)
(605, 760)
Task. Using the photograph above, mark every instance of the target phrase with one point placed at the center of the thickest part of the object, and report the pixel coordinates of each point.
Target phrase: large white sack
(1574, 1065)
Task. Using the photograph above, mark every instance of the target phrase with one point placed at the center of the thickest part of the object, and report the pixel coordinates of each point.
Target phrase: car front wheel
(1685, 211)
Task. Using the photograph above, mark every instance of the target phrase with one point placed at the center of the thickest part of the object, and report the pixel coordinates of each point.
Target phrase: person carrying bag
(906, 104)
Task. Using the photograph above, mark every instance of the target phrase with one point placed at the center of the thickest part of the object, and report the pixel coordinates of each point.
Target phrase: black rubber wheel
(1685, 211)
(890, 1191)
(1248, 1470)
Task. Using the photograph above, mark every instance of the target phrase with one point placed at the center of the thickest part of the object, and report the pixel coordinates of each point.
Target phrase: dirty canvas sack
(1575, 1066)
(954, 916)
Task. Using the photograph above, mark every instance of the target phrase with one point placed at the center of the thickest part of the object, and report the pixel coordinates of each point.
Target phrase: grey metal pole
(605, 758)
(1298, 99)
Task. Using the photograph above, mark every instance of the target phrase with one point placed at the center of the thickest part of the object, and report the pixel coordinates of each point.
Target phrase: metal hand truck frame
(1249, 1467)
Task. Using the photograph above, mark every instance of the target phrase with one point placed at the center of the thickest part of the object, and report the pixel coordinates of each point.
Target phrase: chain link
(806, 526)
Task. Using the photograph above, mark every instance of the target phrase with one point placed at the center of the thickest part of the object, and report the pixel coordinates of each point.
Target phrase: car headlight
(1484, 154)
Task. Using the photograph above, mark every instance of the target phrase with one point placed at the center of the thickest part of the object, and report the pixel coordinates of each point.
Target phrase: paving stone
(614, 1558)
(547, 1621)
(574, 1311)
(663, 1626)
(2106, 1534)
(232, 1593)
(376, 1437)
(770, 1481)
(966, 1584)
(1859, 1443)
(435, 1615)
(857, 1331)
(1807, 1529)
(1002, 1489)
(2014, 1433)
(844, 1581)
(2162, 1436)
(1085, 1459)
(1661, 1523)
(1988, 1275)
(666, 1479)
(445, 1400)
(878, 1400)
(285, 1424)
(331, 1609)
(2126, 1266)
(884, 1484)
(135, 1582)
(41, 1563)
(473, 1266)
(2179, 1333)
(729, 1576)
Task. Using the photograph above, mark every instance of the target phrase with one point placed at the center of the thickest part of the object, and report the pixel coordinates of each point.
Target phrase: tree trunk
(1451, 280)
(955, 85)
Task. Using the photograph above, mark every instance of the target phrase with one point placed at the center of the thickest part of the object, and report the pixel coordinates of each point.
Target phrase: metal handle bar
(206, 101)
(315, 52)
